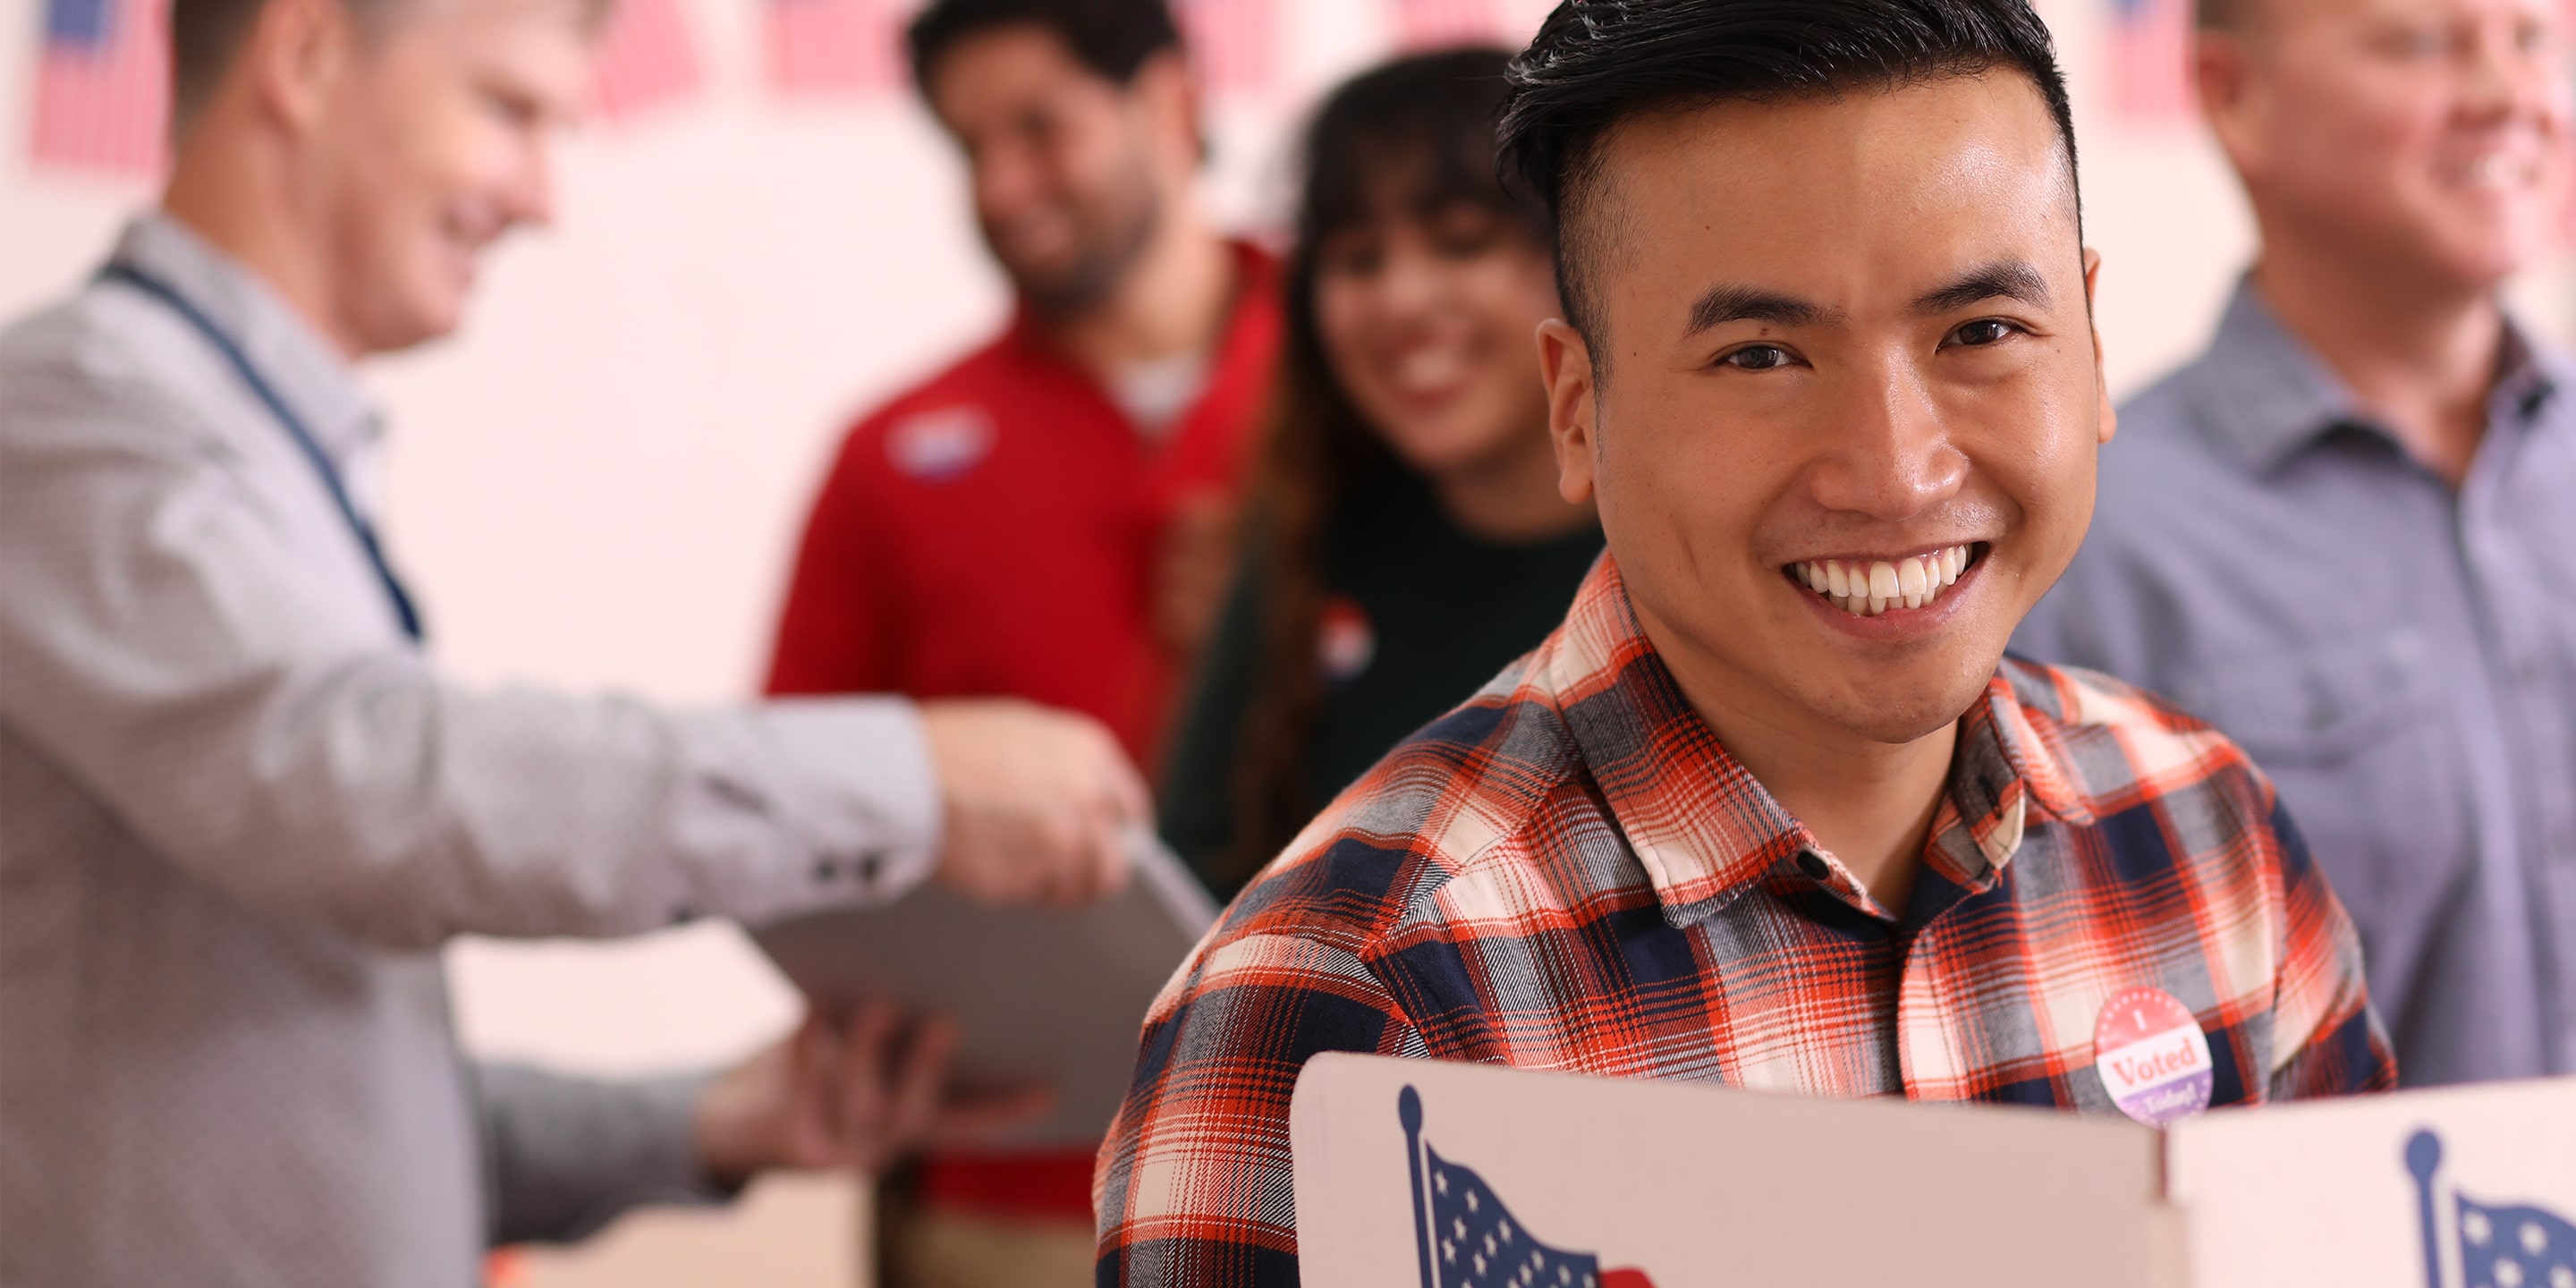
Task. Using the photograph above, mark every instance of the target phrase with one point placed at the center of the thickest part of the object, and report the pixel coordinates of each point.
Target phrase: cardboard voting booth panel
(1418, 1174)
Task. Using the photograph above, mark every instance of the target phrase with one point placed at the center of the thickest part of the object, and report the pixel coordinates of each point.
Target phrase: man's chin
(1898, 714)
(409, 328)
(1063, 291)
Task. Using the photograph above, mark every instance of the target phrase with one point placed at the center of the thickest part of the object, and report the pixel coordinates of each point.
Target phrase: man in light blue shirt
(2343, 534)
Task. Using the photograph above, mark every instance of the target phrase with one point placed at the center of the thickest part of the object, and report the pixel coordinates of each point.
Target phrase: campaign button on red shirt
(2152, 1056)
(941, 444)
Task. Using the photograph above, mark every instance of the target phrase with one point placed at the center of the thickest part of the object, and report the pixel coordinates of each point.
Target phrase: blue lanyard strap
(404, 611)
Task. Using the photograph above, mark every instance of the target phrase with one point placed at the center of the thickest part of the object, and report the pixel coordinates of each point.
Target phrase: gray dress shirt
(2400, 656)
(239, 814)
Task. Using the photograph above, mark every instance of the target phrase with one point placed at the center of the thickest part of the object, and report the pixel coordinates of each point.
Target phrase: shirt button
(1814, 865)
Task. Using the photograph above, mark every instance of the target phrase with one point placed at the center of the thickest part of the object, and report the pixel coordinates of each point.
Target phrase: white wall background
(597, 486)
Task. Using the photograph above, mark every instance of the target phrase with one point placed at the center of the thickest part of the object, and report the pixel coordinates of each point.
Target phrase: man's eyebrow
(2004, 279)
(1723, 304)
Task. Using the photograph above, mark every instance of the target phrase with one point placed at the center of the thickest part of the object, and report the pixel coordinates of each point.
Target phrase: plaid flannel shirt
(1570, 873)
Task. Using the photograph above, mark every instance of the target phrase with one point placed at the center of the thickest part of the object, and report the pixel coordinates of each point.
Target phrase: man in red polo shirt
(1026, 522)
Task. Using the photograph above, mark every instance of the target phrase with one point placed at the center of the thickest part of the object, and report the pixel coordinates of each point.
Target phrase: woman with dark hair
(1407, 539)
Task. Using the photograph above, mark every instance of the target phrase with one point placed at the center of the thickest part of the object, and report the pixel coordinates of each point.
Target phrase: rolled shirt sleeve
(565, 1156)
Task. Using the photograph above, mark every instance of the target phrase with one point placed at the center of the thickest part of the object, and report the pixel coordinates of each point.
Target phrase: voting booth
(1422, 1174)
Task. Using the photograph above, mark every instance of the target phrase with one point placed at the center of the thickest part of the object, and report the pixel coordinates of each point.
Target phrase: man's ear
(1171, 99)
(2092, 311)
(2223, 75)
(1573, 407)
(293, 58)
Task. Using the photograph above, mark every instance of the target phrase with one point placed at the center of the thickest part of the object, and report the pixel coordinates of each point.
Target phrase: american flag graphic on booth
(832, 46)
(2515, 1247)
(102, 86)
(1235, 43)
(1433, 24)
(2500, 1245)
(2149, 63)
(1466, 1238)
(645, 59)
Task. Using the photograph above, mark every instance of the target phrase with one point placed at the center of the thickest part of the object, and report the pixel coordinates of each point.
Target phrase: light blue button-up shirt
(238, 811)
(2398, 654)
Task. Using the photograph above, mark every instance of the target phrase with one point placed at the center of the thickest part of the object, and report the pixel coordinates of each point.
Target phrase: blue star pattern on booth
(1466, 1238)
(2500, 1247)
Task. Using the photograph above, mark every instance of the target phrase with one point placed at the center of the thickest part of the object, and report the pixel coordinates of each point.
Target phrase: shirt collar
(296, 362)
(2535, 375)
(1705, 830)
(2263, 392)
(2267, 395)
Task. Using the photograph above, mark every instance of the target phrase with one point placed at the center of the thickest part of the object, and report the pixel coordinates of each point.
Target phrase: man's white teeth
(1873, 588)
(2500, 170)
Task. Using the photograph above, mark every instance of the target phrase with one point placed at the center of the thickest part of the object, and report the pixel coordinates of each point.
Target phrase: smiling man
(1770, 808)
(1075, 470)
(240, 809)
(2371, 415)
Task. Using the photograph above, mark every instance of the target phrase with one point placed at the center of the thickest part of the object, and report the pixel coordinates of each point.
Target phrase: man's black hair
(1595, 63)
(1111, 37)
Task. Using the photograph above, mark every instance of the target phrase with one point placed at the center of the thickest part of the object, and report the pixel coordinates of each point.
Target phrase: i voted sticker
(2152, 1056)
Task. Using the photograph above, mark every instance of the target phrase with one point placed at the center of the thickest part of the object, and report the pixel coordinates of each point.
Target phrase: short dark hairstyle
(1595, 63)
(1111, 37)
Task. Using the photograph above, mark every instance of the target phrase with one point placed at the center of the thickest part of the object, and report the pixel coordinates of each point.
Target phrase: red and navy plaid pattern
(1570, 873)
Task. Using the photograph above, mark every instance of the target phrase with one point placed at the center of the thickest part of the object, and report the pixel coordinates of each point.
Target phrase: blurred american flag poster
(831, 46)
(1234, 43)
(2149, 64)
(646, 58)
(1436, 24)
(102, 86)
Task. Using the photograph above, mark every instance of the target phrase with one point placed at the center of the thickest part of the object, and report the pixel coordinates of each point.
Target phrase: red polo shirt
(994, 533)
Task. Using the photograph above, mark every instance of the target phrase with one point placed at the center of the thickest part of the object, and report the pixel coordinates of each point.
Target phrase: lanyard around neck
(404, 611)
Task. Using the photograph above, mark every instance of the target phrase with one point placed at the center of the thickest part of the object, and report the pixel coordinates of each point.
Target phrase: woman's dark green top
(1421, 615)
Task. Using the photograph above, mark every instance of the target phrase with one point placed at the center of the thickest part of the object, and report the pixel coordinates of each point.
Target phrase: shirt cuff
(847, 784)
(569, 1155)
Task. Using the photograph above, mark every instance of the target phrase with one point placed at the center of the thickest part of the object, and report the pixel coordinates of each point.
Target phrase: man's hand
(859, 1093)
(1039, 803)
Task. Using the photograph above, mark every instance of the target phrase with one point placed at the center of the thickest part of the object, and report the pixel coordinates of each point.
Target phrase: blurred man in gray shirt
(2342, 534)
(239, 812)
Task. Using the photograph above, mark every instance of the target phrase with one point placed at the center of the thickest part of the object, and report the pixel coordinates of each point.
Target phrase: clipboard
(1054, 996)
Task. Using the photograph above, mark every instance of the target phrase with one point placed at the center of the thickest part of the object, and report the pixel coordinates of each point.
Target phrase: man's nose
(1006, 179)
(2503, 77)
(1887, 451)
(532, 198)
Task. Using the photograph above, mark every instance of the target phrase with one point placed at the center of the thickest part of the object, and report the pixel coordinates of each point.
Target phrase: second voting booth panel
(1419, 1174)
